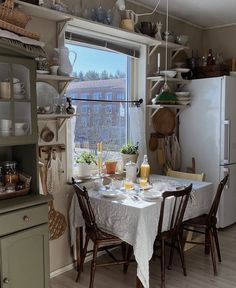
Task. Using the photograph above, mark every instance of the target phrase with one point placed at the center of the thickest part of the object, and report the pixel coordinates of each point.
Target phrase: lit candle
(101, 146)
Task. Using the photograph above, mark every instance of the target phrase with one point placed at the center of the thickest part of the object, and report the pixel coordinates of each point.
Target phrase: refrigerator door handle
(226, 171)
(227, 138)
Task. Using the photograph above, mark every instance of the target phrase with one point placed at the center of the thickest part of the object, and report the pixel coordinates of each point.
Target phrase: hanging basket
(14, 16)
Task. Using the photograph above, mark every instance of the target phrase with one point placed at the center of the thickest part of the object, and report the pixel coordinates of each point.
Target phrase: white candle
(158, 62)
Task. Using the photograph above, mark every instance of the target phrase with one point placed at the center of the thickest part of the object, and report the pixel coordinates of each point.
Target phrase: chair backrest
(216, 201)
(185, 175)
(180, 199)
(87, 211)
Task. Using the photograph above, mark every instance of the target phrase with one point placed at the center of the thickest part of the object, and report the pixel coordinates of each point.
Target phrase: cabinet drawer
(23, 219)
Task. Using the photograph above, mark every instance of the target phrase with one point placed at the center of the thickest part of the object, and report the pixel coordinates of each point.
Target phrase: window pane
(103, 77)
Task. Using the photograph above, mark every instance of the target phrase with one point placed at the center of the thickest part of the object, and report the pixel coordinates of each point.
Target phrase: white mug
(5, 124)
(18, 88)
(54, 69)
(21, 128)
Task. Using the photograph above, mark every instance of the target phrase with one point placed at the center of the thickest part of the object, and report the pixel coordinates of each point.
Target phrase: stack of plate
(183, 98)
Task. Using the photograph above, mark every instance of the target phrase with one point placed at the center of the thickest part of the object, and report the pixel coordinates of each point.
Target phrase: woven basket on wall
(11, 15)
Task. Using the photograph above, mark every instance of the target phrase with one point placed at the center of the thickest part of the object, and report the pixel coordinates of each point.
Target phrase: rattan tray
(18, 30)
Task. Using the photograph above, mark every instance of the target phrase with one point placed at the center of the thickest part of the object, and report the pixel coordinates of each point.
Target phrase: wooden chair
(191, 176)
(102, 241)
(174, 234)
(185, 175)
(206, 224)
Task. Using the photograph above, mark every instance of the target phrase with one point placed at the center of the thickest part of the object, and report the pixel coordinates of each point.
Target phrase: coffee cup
(127, 24)
(18, 88)
(21, 128)
(5, 90)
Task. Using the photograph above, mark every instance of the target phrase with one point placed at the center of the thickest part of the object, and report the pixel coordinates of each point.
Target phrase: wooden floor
(199, 270)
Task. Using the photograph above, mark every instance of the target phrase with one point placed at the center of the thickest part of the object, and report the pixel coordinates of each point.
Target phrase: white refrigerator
(207, 131)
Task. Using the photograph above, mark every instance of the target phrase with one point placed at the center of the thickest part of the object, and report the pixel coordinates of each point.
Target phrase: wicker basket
(20, 31)
(11, 15)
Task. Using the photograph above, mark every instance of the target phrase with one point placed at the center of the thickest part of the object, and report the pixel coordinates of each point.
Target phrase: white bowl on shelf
(182, 39)
(168, 73)
(180, 71)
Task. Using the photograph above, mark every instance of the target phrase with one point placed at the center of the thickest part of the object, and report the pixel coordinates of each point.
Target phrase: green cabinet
(24, 242)
(24, 258)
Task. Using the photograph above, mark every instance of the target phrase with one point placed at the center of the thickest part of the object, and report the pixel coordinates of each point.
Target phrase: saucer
(42, 71)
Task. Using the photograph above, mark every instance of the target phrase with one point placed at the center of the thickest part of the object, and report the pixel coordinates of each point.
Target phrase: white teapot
(132, 171)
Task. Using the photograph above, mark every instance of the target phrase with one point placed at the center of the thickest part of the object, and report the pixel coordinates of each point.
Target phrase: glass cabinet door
(15, 100)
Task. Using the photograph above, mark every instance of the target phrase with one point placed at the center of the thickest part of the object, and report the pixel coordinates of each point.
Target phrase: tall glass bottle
(145, 168)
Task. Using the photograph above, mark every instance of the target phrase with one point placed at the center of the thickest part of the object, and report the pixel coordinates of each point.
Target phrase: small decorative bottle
(145, 168)
(210, 58)
(70, 109)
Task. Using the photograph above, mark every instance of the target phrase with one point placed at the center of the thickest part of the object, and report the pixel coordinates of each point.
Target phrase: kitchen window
(104, 76)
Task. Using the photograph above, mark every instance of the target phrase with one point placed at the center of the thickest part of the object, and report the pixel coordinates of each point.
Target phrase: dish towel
(53, 173)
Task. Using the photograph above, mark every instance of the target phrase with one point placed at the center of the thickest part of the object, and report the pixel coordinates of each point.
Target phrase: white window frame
(137, 88)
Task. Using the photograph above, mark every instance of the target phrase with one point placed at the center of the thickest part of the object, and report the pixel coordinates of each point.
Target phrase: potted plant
(86, 163)
(129, 152)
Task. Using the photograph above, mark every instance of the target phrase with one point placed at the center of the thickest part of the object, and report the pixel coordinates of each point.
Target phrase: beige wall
(220, 40)
(60, 251)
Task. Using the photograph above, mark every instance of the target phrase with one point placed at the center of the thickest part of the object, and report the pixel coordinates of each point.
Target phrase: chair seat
(200, 221)
(197, 221)
(104, 237)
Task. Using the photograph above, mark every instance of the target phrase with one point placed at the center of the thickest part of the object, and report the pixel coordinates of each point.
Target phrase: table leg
(79, 246)
(138, 283)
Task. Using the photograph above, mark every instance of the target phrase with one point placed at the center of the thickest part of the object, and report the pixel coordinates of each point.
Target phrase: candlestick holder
(158, 34)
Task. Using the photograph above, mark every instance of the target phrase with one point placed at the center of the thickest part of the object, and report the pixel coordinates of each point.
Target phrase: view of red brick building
(100, 121)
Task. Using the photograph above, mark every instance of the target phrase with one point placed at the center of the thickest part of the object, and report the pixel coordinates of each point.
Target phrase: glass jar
(10, 174)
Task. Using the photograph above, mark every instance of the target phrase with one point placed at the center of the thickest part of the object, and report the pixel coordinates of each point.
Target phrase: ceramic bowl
(182, 39)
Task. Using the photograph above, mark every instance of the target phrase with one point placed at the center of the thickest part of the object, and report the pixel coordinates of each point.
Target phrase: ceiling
(204, 13)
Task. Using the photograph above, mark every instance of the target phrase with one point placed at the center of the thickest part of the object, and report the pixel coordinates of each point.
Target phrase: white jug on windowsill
(65, 66)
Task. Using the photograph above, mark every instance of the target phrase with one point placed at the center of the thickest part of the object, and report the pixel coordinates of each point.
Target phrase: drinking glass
(128, 184)
(143, 182)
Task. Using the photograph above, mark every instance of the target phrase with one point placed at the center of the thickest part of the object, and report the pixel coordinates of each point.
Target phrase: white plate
(180, 98)
(111, 193)
(150, 195)
(168, 73)
(183, 102)
(42, 71)
(46, 94)
(182, 70)
(182, 94)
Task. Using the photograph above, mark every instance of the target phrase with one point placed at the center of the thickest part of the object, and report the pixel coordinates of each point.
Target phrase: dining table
(133, 215)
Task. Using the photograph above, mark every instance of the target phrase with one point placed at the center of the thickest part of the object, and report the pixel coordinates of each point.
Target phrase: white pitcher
(132, 171)
(65, 66)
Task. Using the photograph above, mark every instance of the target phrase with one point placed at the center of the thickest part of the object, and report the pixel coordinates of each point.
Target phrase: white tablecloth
(135, 221)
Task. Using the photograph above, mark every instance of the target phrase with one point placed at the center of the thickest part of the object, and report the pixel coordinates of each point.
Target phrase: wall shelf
(84, 24)
(178, 107)
(59, 118)
(162, 78)
(51, 77)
